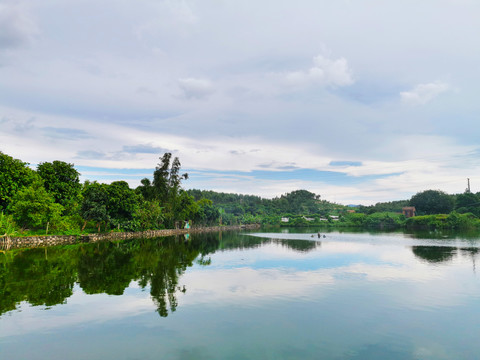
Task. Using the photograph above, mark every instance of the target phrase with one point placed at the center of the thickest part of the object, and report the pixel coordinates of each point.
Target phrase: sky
(357, 101)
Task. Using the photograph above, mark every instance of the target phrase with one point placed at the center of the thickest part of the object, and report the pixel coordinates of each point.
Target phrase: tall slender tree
(165, 187)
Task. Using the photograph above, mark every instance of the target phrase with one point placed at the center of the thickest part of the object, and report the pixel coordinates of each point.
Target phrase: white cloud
(423, 93)
(324, 72)
(195, 88)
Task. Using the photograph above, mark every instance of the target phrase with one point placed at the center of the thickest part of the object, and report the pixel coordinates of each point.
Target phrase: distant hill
(298, 202)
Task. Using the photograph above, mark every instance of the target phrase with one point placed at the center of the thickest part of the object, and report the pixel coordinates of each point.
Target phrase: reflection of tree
(39, 276)
(434, 254)
(472, 253)
(105, 268)
(299, 245)
(212, 242)
(467, 234)
(47, 276)
(165, 263)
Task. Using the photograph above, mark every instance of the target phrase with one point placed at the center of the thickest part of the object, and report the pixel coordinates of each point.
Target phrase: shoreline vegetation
(51, 201)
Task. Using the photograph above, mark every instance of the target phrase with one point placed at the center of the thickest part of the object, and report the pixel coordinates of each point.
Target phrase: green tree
(61, 180)
(94, 203)
(146, 190)
(122, 203)
(391, 206)
(14, 175)
(187, 207)
(33, 207)
(430, 202)
(149, 215)
(166, 187)
(208, 214)
(468, 202)
(167, 179)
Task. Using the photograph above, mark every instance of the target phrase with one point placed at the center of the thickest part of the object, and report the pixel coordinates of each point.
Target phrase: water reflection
(47, 276)
(382, 352)
(434, 254)
(280, 296)
(301, 246)
(445, 234)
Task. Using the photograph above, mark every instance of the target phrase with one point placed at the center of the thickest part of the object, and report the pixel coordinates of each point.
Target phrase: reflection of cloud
(379, 265)
(423, 93)
(81, 309)
(243, 283)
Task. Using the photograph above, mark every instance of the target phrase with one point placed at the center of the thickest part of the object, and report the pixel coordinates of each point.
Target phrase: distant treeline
(434, 209)
(389, 220)
(250, 208)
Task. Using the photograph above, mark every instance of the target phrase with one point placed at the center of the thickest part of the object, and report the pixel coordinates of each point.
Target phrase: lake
(283, 294)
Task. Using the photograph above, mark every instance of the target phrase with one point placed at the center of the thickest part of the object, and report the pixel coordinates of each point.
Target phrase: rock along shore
(7, 243)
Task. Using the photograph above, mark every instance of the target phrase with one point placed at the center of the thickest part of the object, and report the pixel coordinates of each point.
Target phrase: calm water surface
(271, 295)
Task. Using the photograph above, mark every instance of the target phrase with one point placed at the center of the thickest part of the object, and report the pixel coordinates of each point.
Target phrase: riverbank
(7, 243)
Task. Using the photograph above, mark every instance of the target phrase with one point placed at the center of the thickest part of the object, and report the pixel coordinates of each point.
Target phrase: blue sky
(358, 102)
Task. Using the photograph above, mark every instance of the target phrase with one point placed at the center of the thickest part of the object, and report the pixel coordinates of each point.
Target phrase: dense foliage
(34, 207)
(62, 181)
(391, 206)
(14, 175)
(53, 198)
(432, 202)
(299, 202)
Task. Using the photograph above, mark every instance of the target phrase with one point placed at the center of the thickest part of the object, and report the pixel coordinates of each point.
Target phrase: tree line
(434, 209)
(51, 198)
(430, 202)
